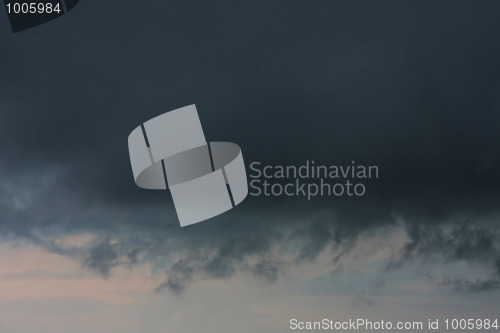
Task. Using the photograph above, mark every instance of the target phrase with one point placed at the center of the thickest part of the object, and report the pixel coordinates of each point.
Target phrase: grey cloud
(447, 243)
(316, 236)
(412, 88)
(462, 284)
(180, 275)
(420, 98)
(102, 257)
(211, 256)
(109, 252)
(469, 241)
(464, 240)
(270, 269)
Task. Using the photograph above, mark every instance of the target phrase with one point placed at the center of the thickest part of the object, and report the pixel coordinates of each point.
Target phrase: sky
(412, 87)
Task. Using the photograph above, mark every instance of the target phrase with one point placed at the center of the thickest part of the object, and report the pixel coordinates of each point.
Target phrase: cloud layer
(413, 89)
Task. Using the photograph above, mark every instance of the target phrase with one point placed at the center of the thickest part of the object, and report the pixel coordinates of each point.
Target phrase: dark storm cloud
(268, 249)
(102, 258)
(106, 254)
(180, 275)
(412, 88)
(270, 269)
(463, 241)
(316, 235)
(459, 241)
(184, 271)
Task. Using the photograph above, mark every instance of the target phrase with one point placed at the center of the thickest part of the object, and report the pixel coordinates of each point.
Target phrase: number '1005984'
(33, 8)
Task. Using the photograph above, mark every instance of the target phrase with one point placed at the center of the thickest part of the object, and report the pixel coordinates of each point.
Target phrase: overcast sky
(412, 87)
